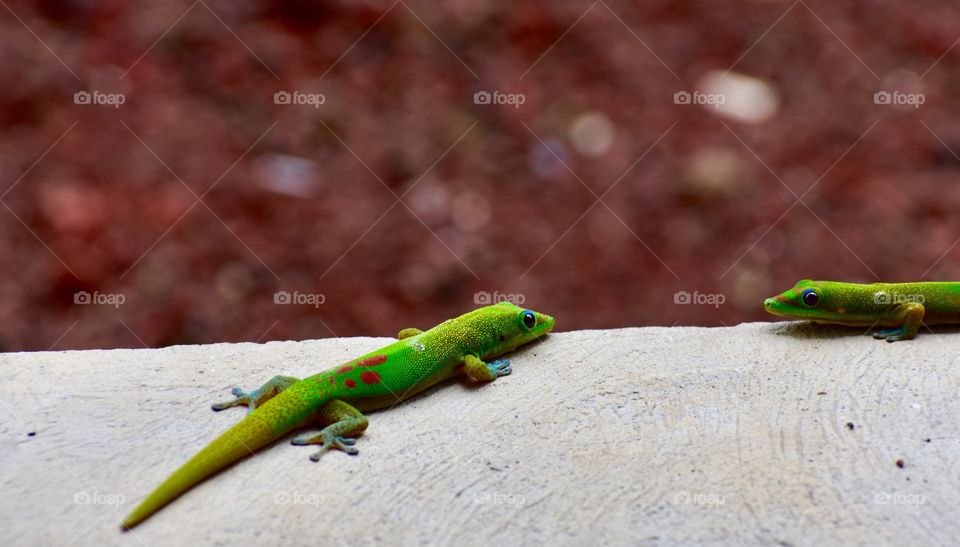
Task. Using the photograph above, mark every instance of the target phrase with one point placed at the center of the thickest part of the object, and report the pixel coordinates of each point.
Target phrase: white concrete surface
(621, 437)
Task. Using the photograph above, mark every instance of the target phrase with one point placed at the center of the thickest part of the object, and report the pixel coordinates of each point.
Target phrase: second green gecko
(335, 397)
(899, 307)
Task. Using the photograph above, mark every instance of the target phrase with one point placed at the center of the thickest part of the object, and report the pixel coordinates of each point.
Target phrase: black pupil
(529, 320)
(810, 298)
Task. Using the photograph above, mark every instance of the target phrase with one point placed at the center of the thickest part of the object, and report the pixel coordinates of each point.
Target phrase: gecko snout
(549, 321)
(773, 302)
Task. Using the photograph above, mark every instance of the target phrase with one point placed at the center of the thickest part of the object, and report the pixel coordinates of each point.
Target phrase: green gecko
(901, 307)
(335, 397)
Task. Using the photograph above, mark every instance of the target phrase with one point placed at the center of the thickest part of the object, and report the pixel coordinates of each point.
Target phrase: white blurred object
(288, 175)
(714, 171)
(591, 133)
(746, 99)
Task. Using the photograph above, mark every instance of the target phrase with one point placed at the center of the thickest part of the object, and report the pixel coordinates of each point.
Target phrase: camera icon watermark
(897, 98)
(684, 497)
(496, 498)
(487, 97)
(885, 298)
(898, 498)
(299, 498)
(98, 498)
(298, 98)
(85, 298)
(484, 298)
(703, 99)
(100, 99)
(299, 298)
(702, 299)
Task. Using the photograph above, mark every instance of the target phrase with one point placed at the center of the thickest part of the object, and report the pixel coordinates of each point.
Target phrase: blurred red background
(185, 210)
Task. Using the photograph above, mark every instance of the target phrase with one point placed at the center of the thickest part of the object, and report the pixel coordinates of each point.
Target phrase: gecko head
(806, 300)
(516, 326)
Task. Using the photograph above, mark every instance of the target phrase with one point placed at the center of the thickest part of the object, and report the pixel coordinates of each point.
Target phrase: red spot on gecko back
(349, 382)
(330, 379)
(372, 361)
(345, 369)
(369, 377)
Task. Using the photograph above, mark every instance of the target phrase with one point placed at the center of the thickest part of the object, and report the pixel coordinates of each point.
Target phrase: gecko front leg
(912, 316)
(485, 372)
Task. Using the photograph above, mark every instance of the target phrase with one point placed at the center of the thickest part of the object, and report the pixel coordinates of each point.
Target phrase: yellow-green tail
(240, 440)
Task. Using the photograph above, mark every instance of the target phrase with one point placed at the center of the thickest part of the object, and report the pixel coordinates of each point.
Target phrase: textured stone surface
(632, 436)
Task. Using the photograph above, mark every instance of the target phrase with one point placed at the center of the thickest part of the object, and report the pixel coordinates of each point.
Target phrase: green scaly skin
(900, 307)
(335, 397)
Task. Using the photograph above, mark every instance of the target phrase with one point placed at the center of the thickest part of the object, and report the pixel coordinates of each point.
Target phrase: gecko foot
(326, 442)
(500, 367)
(242, 399)
(258, 396)
(892, 335)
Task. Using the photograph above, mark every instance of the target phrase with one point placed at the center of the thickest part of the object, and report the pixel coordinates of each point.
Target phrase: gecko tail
(240, 440)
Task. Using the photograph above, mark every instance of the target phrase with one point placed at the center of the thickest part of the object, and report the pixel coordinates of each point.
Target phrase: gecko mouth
(778, 305)
(549, 322)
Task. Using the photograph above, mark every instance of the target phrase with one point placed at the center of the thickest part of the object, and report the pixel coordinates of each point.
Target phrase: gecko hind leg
(912, 315)
(344, 422)
(257, 397)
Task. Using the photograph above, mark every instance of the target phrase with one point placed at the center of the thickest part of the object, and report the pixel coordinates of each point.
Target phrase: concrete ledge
(759, 433)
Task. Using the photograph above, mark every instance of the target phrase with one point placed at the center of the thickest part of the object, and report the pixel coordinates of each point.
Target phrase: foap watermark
(98, 498)
(698, 498)
(702, 299)
(299, 498)
(705, 99)
(898, 98)
(100, 99)
(898, 498)
(298, 98)
(484, 298)
(885, 298)
(85, 298)
(496, 498)
(299, 298)
(486, 97)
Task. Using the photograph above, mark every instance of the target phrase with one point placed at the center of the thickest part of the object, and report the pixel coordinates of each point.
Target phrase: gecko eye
(529, 319)
(810, 298)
